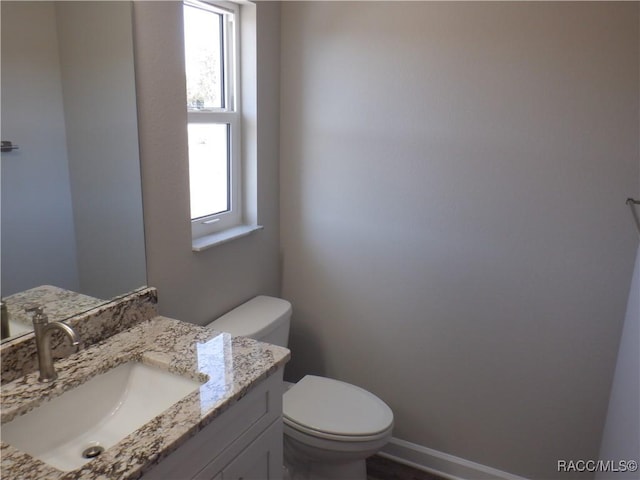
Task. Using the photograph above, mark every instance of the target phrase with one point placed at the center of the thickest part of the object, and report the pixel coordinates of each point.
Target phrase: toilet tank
(262, 318)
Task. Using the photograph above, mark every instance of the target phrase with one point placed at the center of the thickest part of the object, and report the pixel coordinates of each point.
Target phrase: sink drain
(92, 452)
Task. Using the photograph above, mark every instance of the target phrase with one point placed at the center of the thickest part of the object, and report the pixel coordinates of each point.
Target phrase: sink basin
(96, 415)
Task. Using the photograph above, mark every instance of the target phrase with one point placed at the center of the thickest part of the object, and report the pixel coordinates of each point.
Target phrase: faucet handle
(39, 317)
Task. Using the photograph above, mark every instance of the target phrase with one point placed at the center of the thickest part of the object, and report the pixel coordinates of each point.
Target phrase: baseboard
(441, 464)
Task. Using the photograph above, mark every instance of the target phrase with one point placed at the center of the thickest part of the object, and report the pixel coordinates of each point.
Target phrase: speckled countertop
(59, 303)
(228, 368)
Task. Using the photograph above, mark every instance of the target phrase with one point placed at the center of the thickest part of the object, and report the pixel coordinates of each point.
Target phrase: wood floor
(379, 468)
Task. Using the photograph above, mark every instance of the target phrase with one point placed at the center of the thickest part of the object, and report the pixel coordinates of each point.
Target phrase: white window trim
(204, 243)
(215, 229)
(211, 224)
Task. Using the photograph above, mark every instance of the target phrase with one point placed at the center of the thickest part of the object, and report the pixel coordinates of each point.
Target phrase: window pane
(208, 168)
(203, 58)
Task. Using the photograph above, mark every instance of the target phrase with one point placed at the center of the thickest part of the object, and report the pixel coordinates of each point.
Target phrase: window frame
(229, 114)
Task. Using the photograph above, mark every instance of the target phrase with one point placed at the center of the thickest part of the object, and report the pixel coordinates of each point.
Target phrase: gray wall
(621, 435)
(197, 287)
(38, 239)
(454, 233)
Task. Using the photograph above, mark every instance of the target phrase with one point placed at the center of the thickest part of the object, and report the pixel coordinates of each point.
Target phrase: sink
(71, 429)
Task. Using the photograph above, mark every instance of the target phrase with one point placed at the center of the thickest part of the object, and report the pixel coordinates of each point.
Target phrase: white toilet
(330, 427)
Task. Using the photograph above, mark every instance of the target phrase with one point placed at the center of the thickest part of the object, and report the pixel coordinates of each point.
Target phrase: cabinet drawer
(230, 433)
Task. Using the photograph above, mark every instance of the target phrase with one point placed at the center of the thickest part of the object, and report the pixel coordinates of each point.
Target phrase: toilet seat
(335, 410)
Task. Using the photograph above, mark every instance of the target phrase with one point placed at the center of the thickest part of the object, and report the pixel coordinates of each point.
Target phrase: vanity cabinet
(243, 443)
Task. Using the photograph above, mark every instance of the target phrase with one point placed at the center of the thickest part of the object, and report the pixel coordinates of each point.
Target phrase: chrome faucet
(43, 331)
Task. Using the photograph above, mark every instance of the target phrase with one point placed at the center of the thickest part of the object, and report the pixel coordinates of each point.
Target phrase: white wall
(38, 243)
(198, 287)
(453, 227)
(621, 437)
(96, 53)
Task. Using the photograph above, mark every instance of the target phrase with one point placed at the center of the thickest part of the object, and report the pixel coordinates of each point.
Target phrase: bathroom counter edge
(230, 367)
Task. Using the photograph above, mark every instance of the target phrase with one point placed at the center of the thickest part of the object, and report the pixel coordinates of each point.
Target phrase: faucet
(4, 326)
(43, 331)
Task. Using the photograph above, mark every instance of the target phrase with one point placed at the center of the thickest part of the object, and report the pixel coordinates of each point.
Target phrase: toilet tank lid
(255, 318)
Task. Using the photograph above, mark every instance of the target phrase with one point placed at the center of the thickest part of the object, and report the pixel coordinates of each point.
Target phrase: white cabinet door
(215, 447)
(262, 460)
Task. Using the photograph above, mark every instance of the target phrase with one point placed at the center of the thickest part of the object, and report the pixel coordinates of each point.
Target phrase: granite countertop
(228, 367)
(58, 303)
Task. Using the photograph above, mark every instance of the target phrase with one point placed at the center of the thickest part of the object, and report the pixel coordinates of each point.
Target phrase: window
(213, 115)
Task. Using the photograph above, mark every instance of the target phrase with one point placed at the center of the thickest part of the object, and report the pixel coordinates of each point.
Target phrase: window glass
(213, 122)
(208, 168)
(204, 59)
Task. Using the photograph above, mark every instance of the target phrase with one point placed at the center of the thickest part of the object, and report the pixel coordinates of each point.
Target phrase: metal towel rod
(632, 205)
(7, 146)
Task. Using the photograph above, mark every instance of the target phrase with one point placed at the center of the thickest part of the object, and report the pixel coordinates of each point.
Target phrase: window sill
(208, 241)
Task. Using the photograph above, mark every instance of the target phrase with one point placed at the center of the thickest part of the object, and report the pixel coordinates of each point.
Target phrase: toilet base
(309, 462)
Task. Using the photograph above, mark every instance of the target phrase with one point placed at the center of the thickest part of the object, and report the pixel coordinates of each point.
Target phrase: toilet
(330, 427)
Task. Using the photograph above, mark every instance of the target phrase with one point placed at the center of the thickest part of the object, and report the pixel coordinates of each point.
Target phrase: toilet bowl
(330, 427)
